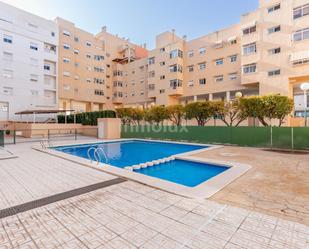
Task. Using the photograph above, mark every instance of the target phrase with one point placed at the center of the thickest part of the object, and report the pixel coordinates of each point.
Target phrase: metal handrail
(97, 152)
(88, 153)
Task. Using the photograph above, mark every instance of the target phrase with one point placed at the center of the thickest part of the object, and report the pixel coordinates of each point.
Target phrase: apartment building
(28, 63)
(82, 69)
(266, 52)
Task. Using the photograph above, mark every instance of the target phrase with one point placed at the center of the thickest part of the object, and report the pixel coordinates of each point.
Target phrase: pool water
(128, 153)
(187, 173)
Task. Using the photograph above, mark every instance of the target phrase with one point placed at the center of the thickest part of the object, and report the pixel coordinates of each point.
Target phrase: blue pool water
(183, 172)
(128, 153)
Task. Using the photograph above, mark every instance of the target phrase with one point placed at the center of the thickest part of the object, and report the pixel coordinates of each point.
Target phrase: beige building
(266, 52)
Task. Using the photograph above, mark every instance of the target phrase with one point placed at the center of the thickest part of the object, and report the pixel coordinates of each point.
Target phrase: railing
(96, 154)
(15, 136)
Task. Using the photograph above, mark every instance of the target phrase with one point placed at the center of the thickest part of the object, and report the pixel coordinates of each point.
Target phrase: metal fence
(35, 135)
(265, 137)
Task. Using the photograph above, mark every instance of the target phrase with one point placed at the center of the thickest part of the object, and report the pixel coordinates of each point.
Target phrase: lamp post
(305, 87)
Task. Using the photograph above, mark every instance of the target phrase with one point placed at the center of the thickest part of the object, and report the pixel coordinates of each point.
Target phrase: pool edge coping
(201, 191)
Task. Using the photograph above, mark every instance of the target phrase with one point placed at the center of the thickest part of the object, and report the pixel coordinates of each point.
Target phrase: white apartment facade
(28, 63)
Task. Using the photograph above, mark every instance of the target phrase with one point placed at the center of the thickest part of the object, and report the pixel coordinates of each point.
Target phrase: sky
(142, 20)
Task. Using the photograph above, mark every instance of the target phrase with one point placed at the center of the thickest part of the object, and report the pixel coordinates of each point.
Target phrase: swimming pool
(132, 152)
(184, 172)
(171, 166)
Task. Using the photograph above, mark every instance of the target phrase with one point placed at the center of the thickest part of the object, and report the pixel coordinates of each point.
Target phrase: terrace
(50, 202)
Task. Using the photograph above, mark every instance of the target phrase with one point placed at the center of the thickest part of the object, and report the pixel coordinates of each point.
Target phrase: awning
(299, 55)
(42, 111)
(248, 25)
(232, 38)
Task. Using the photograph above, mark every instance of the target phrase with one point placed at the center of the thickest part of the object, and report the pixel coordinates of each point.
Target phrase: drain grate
(58, 197)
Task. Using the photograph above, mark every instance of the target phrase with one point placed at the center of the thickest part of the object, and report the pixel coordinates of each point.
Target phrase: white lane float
(143, 165)
(156, 162)
(136, 166)
(149, 164)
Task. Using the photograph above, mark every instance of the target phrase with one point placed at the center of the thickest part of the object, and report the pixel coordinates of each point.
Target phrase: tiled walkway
(34, 175)
(130, 215)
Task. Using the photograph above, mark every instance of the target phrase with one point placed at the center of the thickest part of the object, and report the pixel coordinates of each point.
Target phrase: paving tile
(139, 235)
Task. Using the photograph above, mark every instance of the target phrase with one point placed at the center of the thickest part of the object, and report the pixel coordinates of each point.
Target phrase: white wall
(26, 28)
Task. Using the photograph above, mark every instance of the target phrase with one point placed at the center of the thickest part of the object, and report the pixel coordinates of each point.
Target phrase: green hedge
(280, 137)
(87, 118)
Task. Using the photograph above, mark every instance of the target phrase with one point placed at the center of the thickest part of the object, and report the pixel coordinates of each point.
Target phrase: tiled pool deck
(126, 215)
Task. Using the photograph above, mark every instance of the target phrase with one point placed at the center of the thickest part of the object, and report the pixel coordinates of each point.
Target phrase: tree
(156, 114)
(125, 114)
(137, 115)
(201, 111)
(176, 113)
(278, 107)
(230, 113)
(267, 107)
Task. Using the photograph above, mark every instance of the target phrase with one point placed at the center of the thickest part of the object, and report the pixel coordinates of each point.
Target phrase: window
(151, 61)
(162, 63)
(88, 56)
(88, 80)
(52, 34)
(274, 51)
(274, 29)
(66, 73)
(141, 81)
(34, 78)
(162, 91)
(219, 62)
(66, 46)
(274, 8)
(202, 65)
(218, 78)
(151, 87)
(249, 49)
(132, 94)
(66, 60)
(8, 91)
(66, 33)
(7, 39)
(191, 53)
(176, 53)
(162, 77)
(8, 74)
(202, 81)
(117, 73)
(98, 57)
(190, 68)
(76, 77)
(301, 62)
(190, 83)
(233, 41)
(233, 76)
(99, 92)
(47, 67)
(98, 81)
(202, 50)
(88, 44)
(249, 30)
(76, 39)
(34, 46)
(33, 26)
(7, 56)
(248, 69)
(175, 68)
(151, 74)
(88, 68)
(274, 72)
(76, 51)
(175, 83)
(233, 58)
(301, 11)
(76, 64)
(300, 35)
(162, 50)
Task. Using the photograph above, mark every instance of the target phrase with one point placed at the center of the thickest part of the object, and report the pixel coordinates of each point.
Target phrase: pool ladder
(44, 146)
(96, 154)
